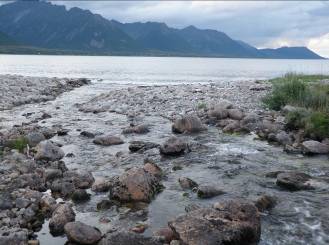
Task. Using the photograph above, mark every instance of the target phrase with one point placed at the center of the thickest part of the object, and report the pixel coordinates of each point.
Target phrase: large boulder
(315, 147)
(128, 238)
(81, 233)
(173, 146)
(230, 222)
(108, 140)
(188, 124)
(294, 181)
(48, 151)
(135, 185)
(62, 215)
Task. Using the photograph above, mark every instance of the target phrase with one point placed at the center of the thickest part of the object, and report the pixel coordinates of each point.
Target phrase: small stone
(187, 183)
(108, 140)
(207, 191)
(48, 151)
(173, 146)
(265, 202)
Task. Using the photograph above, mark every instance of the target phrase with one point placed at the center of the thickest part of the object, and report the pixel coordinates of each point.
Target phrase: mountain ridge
(49, 26)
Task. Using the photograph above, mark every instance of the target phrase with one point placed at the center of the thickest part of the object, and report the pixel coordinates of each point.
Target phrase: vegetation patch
(18, 144)
(307, 92)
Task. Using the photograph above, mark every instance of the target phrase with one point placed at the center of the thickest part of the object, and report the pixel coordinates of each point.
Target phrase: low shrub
(317, 125)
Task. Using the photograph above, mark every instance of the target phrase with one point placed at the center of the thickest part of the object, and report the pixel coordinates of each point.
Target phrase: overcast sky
(260, 23)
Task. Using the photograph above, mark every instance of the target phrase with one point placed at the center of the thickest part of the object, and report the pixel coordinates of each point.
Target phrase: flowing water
(237, 164)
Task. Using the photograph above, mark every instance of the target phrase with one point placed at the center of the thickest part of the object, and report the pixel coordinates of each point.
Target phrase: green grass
(18, 144)
(307, 93)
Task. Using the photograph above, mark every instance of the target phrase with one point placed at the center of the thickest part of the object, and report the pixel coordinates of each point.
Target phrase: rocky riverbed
(176, 164)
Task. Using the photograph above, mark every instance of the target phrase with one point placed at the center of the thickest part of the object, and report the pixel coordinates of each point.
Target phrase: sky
(262, 24)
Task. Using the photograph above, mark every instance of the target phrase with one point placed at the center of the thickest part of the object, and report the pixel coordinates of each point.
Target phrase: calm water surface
(156, 70)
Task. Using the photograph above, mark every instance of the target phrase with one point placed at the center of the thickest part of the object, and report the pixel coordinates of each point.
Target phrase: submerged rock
(62, 215)
(173, 146)
(140, 129)
(108, 140)
(207, 191)
(230, 222)
(187, 183)
(81, 233)
(128, 238)
(141, 146)
(188, 124)
(46, 150)
(294, 181)
(80, 195)
(315, 147)
(265, 202)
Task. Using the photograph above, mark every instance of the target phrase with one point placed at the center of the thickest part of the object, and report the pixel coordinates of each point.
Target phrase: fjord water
(235, 163)
(156, 70)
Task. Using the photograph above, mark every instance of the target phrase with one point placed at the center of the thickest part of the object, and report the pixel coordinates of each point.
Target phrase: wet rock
(62, 132)
(173, 146)
(136, 184)
(139, 228)
(315, 147)
(207, 191)
(235, 114)
(34, 138)
(153, 169)
(80, 195)
(166, 233)
(127, 238)
(187, 183)
(47, 204)
(105, 204)
(81, 233)
(191, 207)
(140, 129)
(107, 140)
(265, 202)
(292, 149)
(62, 215)
(101, 185)
(188, 124)
(82, 179)
(141, 146)
(46, 150)
(230, 222)
(294, 181)
(87, 134)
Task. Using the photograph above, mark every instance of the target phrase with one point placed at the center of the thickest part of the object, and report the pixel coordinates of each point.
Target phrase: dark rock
(173, 146)
(230, 222)
(207, 191)
(141, 146)
(108, 140)
(188, 124)
(52, 174)
(294, 181)
(82, 179)
(62, 132)
(265, 202)
(105, 204)
(235, 114)
(62, 215)
(80, 195)
(81, 233)
(87, 134)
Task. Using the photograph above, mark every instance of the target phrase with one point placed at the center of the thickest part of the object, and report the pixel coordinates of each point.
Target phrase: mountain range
(46, 27)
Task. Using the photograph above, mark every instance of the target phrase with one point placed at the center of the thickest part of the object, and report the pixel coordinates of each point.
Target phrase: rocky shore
(19, 90)
(136, 146)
